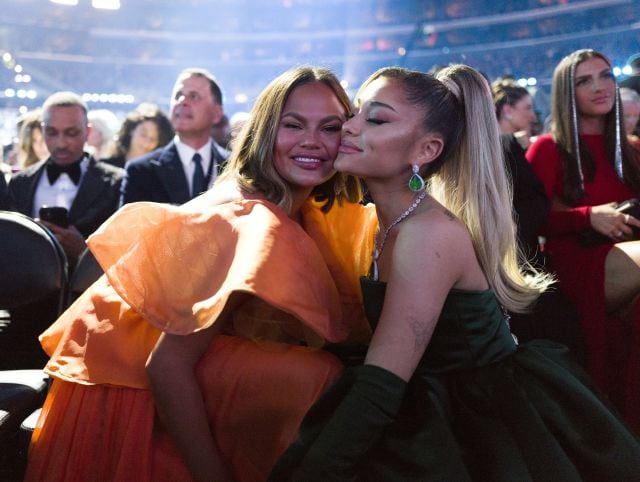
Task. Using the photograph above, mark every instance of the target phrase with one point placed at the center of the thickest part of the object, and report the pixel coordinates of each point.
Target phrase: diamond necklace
(377, 251)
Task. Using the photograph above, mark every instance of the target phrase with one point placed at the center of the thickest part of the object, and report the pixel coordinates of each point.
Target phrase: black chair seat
(21, 392)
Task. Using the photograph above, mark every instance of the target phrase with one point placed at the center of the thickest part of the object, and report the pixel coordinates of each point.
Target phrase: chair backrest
(33, 265)
(87, 271)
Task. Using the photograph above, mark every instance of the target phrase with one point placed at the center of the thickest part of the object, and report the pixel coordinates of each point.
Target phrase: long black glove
(342, 426)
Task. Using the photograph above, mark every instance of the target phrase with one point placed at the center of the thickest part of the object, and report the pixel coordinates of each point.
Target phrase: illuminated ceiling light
(626, 70)
(32, 94)
(23, 109)
(65, 2)
(9, 93)
(532, 81)
(522, 82)
(18, 78)
(344, 83)
(617, 71)
(17, 69)
(7, 57)
(106, 4)
(21, 94)
(402, 51)
(129, 99)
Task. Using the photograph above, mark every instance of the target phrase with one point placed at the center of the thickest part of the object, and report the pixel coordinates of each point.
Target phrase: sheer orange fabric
(173, 269)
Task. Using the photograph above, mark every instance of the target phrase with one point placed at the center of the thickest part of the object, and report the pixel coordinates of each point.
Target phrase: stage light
(65, 2)
(626, 70)
(111, 98)
(106, 4)
(617, 71)
(241, 98)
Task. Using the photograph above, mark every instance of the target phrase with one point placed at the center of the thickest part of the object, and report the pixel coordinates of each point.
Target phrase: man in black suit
(190, 163)
(69, 178)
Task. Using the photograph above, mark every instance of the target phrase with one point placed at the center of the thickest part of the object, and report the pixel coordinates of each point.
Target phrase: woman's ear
(507, 112)
(430, 148)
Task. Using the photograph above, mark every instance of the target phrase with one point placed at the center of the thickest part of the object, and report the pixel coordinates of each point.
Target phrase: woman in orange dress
(197, 354)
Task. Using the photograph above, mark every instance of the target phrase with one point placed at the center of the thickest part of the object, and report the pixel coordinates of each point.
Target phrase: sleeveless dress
(480, 407)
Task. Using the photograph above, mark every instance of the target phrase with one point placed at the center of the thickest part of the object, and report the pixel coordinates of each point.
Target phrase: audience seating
(33, 289)
(87, 271)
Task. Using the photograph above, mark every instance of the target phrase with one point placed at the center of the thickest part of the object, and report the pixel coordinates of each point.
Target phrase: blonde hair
(469, 177)
(251, 164)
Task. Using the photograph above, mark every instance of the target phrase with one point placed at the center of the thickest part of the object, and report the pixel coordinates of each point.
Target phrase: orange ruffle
(256, 395)
(174, 268)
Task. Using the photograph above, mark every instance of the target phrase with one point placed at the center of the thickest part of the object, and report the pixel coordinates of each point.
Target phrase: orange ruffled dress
(173, 269)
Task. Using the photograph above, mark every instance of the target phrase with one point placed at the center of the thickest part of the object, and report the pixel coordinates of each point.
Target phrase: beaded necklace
(377, 251)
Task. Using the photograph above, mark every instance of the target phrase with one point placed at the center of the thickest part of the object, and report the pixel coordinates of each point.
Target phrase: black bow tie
(73, 171)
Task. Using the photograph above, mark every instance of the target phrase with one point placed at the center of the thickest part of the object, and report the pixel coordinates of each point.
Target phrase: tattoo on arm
(449, 214)
(422, 332)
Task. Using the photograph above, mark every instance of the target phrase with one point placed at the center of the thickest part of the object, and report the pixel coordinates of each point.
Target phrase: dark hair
(144, 112)
(444, 114)
(562, 129)
(506, 92)
(205, 74)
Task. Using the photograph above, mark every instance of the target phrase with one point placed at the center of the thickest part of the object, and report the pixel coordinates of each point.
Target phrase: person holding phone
(587, 168)
(68, 180)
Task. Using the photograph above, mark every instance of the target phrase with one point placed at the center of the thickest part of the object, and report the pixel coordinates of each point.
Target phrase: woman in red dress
(587, 167)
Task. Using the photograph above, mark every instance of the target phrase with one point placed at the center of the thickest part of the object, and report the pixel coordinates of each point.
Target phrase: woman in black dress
(445, 393)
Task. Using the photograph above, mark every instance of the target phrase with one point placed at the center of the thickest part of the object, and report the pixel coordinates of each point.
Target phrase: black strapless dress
(480, 407)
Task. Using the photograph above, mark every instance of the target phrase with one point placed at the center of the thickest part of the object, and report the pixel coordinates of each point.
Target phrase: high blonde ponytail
(472, 183)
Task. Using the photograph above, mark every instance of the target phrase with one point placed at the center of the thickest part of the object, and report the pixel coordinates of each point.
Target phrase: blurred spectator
(221, 132)
(32, 147)
(104, 126)
(70, 178)
(143, 130)
(514, 109)
(631, 109)
(190, 163)
(236, 123)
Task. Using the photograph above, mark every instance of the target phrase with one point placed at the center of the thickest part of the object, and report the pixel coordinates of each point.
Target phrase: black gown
(478, 407)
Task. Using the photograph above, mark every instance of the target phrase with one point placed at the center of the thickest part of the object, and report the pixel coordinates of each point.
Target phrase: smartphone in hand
(57, 215)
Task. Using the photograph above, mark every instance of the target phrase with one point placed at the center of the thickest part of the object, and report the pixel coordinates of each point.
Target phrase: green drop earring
(416, 183)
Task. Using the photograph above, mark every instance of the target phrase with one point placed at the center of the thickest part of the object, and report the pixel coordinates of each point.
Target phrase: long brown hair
(578, 159)
(251, 164)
